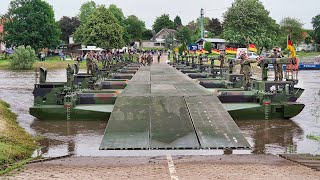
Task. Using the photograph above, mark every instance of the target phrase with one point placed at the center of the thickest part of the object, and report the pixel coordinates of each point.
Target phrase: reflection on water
(84, 137)
(271, 136)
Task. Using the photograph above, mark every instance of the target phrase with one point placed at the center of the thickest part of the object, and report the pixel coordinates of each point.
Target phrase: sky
(188, 10)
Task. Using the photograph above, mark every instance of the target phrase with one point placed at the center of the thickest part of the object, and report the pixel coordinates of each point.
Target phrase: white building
(158, 41)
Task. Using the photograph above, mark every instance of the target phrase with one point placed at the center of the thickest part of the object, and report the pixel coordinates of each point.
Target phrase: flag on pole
(252, 48)
(290, 47)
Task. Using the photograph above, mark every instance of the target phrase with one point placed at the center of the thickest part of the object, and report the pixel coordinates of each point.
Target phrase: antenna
(201, 22)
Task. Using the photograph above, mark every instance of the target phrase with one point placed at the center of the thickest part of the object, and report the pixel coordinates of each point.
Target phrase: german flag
(290, 47)
(252, 48)
(215, 51)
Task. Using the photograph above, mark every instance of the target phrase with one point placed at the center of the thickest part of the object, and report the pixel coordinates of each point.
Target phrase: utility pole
(201, 23)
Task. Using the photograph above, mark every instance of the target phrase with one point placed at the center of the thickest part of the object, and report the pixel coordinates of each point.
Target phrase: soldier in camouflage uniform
(212, 62)
(278, 73)
(200, 62)
(246, 70)
(222, 57)
(231, 66)
(192, 60)
(89, 63)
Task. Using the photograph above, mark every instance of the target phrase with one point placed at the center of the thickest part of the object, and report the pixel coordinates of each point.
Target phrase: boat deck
(161, 108)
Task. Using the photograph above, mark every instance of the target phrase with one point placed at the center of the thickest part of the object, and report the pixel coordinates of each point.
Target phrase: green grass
(15, 143)
(308, 54)
(52, 63)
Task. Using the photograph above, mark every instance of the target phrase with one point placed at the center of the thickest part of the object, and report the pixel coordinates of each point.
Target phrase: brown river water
(83, 138)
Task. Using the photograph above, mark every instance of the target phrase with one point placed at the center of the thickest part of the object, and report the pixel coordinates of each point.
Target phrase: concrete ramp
(161, 108)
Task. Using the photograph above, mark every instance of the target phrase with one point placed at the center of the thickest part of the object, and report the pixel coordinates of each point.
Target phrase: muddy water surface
(83, 138)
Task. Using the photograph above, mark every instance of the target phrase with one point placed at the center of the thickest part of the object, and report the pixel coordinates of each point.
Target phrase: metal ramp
(162, 108)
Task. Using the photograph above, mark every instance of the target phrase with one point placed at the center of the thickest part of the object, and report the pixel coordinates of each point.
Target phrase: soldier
(159, 56)
(222, 57)
(242, 56)
(150, 59)
(89, 63)
(200, 62)
(278, 74)
(212, 62)
(174, 58)
(231, 66)
(246, 70)
(192, 60)
(279, 66)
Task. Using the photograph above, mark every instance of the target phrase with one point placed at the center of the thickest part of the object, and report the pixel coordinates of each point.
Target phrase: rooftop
(212, 40)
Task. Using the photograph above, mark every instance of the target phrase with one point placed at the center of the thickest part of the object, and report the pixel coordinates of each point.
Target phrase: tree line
(32, 22)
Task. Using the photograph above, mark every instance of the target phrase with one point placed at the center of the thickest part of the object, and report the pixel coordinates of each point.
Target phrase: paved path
(166, 167)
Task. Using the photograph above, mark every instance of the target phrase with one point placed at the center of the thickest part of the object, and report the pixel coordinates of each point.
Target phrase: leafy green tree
(162, 22)
(182, 48)
(102, 29)
(214, 26)
(248, 20)
(117, 12)
(31, 22)
(292, 26)
(194, 26)
(184, 35)
(68, 26)
(169, 41)
(316, 27)
(134, 27)
(308, 39)
(147, 34)
(208, 46)
(86, 10)
(23, 58)
(177, 22)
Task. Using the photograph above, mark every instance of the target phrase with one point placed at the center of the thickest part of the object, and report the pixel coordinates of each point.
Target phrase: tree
(162, 22)
(177, 22)
(117, 12)
(292, 26)
(102, 29)
(31, 22)
(169, 41)
(68, 26)
(316, 26)
(86, 10)
(308, 39)
(248, 20)
(23, 58)
(182, 48)
(208, 46)
(134, 27)
(214, 26)
(184, 35)
(147, 34)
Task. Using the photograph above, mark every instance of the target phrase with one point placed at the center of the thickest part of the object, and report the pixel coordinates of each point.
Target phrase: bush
(208, 46)
(23, 58)
(182, 48)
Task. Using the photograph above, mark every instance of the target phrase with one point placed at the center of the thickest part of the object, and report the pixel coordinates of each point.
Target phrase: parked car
(253, 55)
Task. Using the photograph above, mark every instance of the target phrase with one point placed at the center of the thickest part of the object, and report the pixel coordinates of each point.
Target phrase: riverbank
(15, 143)
(166, 167)
(51, 63)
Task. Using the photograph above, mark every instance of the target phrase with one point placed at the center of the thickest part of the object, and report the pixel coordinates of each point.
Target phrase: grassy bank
(15, 143)
(50, 63)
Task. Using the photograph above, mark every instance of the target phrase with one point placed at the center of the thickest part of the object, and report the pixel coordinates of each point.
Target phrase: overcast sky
(188, 10)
